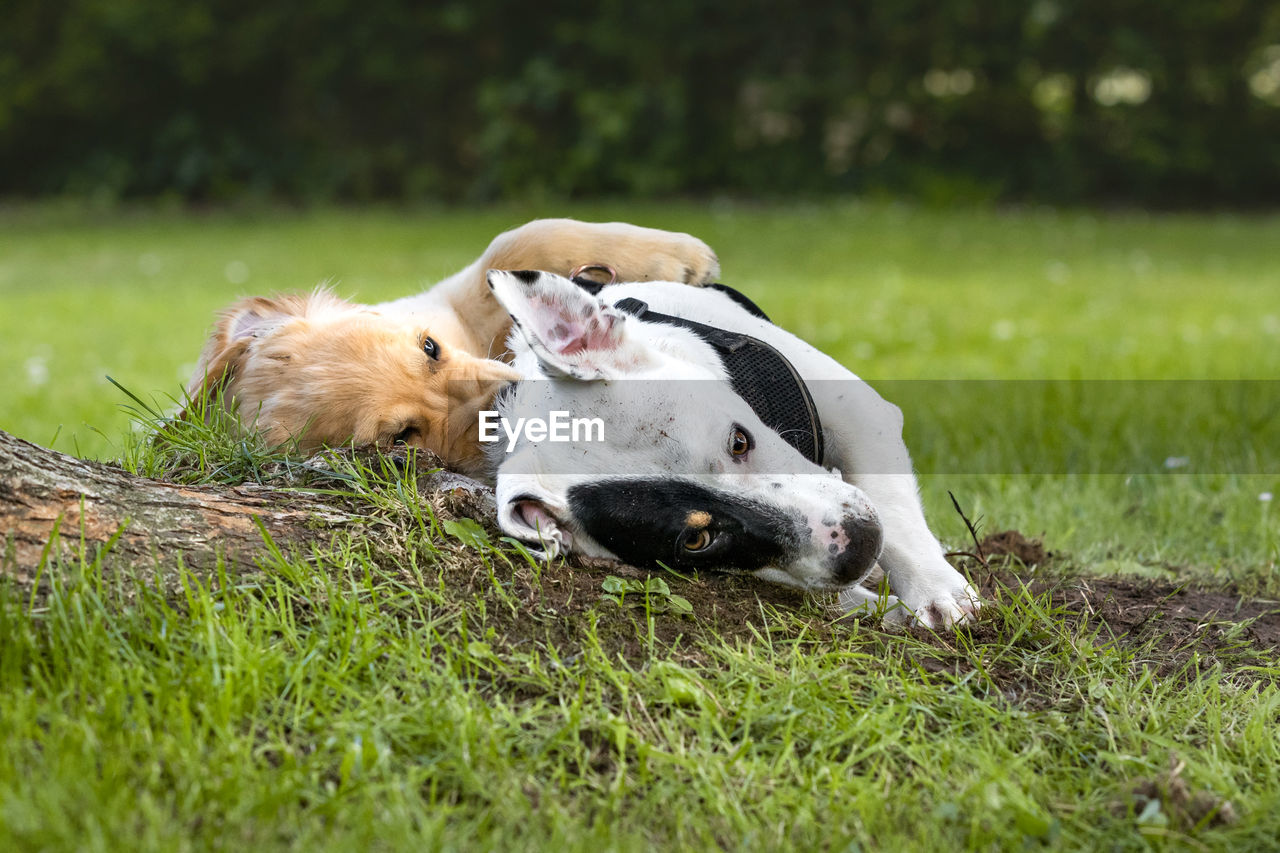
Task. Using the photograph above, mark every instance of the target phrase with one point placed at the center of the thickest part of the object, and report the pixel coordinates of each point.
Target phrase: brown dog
(316, 369)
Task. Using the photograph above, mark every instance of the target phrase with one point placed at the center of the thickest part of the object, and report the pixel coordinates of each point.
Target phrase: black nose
(865, 541)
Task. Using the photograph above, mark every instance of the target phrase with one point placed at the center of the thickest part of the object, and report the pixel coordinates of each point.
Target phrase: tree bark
(57, 510)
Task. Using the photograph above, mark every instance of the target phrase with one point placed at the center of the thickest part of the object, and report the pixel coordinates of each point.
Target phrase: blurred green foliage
(1056, 100)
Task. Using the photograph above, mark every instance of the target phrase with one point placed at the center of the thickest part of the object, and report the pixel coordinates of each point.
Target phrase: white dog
(715, 452)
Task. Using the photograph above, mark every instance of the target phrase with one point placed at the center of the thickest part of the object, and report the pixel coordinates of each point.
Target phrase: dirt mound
(1176, 616)
(1011, 543)
(1172, 622)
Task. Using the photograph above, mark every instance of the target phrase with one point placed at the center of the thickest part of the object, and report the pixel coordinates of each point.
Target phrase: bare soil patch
(1174, 616)
(1167, 622)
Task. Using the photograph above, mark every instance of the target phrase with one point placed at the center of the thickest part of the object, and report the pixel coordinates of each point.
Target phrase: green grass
(461, 699)
(441, 696)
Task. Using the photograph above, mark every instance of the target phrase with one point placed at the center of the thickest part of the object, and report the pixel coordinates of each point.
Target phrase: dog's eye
(740, 442)
(431, 348)
(405, 436)
(698, 540)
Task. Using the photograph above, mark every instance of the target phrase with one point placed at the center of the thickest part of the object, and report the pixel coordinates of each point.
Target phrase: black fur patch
(641, 521)
(527, 276)
(589, 285)
(741, 299)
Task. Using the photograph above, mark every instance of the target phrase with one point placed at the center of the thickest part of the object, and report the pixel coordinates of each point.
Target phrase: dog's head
(315, 369)
(683, 472)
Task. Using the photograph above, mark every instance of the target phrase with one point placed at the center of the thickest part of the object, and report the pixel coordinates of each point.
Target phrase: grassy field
(449, 696)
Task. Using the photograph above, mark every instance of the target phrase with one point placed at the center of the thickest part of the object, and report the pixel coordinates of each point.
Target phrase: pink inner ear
(567, 335)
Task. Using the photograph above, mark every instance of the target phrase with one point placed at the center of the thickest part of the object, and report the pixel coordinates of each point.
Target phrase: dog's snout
(862, 541)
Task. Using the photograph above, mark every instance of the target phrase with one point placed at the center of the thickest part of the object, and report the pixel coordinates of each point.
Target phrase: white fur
(862, 431)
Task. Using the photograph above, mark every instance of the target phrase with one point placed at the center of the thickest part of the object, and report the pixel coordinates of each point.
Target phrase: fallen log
(57, 510)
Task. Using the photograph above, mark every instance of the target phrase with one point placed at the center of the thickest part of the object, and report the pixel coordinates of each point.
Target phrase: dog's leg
(866, 444)
(633, 252)
(561, 246)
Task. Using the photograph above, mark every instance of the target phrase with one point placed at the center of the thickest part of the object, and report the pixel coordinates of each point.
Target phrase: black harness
(759, 374)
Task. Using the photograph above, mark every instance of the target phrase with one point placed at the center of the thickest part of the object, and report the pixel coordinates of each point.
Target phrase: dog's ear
(531, 515)
(572, 332)
(236, 328)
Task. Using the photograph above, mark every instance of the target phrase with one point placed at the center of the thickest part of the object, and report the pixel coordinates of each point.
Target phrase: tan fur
(697, 519)
(318, 370)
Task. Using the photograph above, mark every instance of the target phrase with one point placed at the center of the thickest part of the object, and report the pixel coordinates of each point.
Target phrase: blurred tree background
(1062, 101)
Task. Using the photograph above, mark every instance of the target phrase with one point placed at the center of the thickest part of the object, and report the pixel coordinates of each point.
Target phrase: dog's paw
(942, 609)
(699, 264)
(676, 257)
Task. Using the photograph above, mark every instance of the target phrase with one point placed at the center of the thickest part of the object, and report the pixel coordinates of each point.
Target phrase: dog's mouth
(530, 512)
